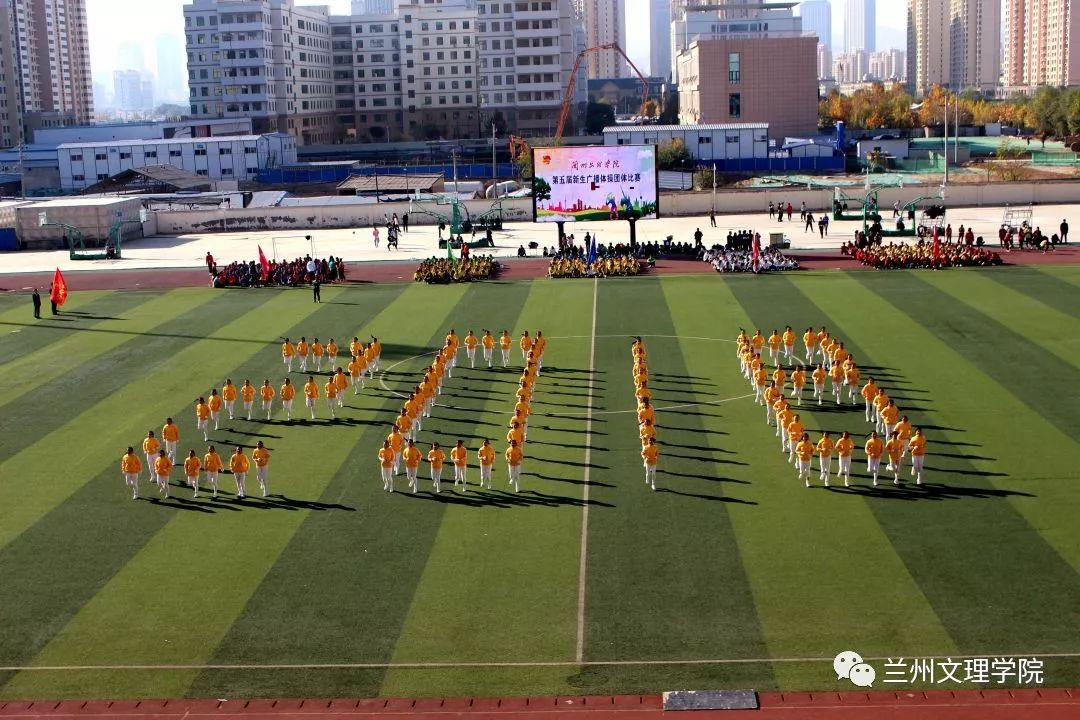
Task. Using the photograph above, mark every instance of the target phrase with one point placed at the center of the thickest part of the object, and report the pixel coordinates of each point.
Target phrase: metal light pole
(945, 155)
(494, 167)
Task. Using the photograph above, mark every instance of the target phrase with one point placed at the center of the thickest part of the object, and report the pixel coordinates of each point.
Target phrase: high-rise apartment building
(605, 22)
(953, 43)
(660, 39)
(860, 25)
(887, 65)
(1042, 43)
(824, 62)
(817, 20)
(171, 73)
(372, 7)
(44, 67)
(264, 59)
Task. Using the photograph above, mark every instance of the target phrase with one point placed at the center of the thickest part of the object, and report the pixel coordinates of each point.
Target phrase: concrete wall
(173, 222)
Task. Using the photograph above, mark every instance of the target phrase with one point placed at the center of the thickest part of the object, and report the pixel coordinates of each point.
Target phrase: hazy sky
(117, 27)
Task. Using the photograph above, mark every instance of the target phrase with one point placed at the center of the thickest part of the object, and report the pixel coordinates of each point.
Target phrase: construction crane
(568, 100)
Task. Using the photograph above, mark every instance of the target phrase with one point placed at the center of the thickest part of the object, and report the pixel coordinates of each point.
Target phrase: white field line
(580, 650)
(535, 664)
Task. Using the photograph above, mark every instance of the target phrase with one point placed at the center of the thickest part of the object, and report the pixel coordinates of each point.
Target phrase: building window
(200, 151)
(734, 70)
(76, 158)
(101, 156)
(734, 105)
(175, 153)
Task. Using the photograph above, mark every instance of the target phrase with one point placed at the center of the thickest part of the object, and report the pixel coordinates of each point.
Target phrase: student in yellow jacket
(239, 465)
(130, 467)
(212, 464)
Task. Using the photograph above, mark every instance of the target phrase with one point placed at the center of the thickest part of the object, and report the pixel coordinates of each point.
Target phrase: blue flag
(591, 252)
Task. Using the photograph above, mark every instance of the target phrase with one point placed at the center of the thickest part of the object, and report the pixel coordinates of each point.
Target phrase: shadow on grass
(927, 491)
(701, 496)
(501, 499)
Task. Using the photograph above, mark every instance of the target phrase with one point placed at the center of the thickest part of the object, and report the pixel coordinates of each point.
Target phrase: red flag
(59, 291)
(265, 264)
(757, 251)
(937, 246)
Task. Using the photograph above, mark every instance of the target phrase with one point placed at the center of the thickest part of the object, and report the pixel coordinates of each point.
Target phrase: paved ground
(1044, 704)
(356, 245)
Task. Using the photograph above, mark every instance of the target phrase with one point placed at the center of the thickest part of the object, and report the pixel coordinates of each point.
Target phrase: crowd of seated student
(921, 255)
(729, 260)
(300, 271)
(444, 270)
(610, 265)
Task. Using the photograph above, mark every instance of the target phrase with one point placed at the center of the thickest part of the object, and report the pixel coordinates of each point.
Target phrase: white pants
(796, 390)
(330, 403)
(170, 450)
(262, 475)
(211, 480)
(247, 408)
(789, 351)
(287, 406)
(303, 363)
(150, 466)
(318, 362)
(397, 463)
(356, 381)
(436, 478)
(268, 406)
(471, 354)
(916, 467)
(485, 476)
(459, 476)
(768, 414)
(241, 480)
(387, 478)
(287, 360)
(410, 475)
(132, 481)
(819, 392)
(810, 353)
(650, 475)
(869, 409)
(487, 356)
(825, 463)
(759, 394)
(873, 466)
(229, 405)
(772, 354)
(506, 357)
(163, 484)
(804, 469)
(515, 476)
(845, 466)
(202, 426)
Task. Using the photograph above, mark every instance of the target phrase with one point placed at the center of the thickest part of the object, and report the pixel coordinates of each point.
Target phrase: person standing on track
(514, 458)
(412, 456)
(460, 457)
(261, 456)
(288, 392)
(36, 300)
(436, 457)
(486, 457)
(650, 455)
(131, 467)
(505, 343)
(213, 465)
(239, 465)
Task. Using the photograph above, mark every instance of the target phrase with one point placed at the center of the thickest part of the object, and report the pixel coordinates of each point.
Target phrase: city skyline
(110, 23)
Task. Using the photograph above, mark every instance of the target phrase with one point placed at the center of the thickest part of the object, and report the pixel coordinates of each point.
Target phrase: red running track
(1041, 704)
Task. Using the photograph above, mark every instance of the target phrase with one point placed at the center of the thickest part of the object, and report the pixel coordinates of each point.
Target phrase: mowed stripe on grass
(105, 367)
(92, 438)
(954, 534)
(372, 558)
(803, 550)
(103, 551)
(21, 335)
(524, 546)
(664, 580)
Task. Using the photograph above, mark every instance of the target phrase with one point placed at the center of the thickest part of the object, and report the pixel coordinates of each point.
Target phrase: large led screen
(606, 182)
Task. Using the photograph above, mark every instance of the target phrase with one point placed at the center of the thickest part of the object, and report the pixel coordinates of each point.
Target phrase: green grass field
(731, 575)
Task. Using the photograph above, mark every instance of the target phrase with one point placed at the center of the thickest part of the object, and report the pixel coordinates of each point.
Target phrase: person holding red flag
(756, 256)
(58, 292)
(937, 248)
(265, 264)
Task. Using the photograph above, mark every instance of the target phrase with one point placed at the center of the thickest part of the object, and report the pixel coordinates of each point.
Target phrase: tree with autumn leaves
(1051, 111)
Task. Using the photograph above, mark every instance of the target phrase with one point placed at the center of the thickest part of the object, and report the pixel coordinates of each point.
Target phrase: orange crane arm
(568, 99)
